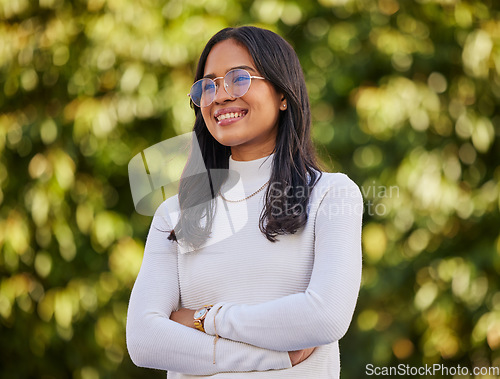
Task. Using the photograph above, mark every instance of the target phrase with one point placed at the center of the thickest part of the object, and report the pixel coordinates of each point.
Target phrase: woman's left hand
(299, 356)
(184, 316)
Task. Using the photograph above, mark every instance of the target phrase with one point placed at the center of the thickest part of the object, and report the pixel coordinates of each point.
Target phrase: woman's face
(252, 135)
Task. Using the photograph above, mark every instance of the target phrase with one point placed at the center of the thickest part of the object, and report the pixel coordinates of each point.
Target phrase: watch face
(200, 313)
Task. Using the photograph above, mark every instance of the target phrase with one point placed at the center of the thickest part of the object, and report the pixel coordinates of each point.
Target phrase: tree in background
(405, 101)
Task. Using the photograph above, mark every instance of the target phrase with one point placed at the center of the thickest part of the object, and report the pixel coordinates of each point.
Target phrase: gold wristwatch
(199, 317)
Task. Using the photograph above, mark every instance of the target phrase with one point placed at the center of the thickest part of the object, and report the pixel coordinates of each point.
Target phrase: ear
(283, 103)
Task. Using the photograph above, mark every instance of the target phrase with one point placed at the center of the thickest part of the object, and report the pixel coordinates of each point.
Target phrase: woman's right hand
(300, 355)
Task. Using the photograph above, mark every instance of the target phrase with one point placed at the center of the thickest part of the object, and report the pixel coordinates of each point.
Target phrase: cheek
(268, 106)
(206, 115)
(263, 102)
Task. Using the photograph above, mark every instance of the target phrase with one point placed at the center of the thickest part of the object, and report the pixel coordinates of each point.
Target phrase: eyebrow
(244, 67)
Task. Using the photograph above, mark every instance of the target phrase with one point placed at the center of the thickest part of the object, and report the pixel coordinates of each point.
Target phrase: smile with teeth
(226, 116)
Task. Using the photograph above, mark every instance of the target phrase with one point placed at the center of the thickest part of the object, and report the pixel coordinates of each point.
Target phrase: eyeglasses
(236, 84)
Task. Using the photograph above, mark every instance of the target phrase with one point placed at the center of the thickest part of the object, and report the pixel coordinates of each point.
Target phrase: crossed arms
(251, 339)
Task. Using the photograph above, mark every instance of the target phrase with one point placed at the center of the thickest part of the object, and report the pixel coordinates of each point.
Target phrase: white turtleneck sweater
(269, 298)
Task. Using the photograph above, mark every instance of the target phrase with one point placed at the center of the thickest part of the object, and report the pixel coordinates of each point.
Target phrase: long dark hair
(295, 169)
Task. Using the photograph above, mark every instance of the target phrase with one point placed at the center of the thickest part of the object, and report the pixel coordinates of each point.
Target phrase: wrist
(210, 320)
(199, 317)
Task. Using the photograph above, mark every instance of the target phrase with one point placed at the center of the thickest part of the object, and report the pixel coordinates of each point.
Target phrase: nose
(221, 95)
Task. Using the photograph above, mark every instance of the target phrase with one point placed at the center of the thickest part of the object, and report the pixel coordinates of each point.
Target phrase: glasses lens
(237, 82)
(203, 92)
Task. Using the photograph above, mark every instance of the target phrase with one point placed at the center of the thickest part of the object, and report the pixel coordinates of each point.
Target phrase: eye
(208, 86)
(240, 79)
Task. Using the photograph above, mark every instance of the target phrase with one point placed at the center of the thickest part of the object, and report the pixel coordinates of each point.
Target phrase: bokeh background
(405, 99)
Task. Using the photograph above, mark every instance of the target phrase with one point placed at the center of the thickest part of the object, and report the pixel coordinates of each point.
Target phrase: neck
(251, 174)
(239, 153)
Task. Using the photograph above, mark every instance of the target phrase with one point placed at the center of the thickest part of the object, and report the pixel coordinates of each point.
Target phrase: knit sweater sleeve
(155, 341)
(322, 313)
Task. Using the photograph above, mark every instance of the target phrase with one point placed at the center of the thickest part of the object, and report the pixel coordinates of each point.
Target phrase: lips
(230, 115)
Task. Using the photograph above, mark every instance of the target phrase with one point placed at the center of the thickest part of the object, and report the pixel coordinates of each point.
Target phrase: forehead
(225, 55)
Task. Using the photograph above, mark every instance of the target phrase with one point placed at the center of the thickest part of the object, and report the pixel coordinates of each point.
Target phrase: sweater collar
(257, 170)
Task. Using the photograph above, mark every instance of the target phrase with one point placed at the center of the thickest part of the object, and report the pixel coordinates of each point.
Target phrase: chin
(227, 137)
(228, 141)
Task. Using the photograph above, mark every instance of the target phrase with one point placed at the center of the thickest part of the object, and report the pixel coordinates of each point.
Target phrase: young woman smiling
(252, 134)
(254, 268)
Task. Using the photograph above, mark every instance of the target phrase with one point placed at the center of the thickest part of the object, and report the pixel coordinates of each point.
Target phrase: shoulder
(337, 184)
(336, 197)
(168, 212)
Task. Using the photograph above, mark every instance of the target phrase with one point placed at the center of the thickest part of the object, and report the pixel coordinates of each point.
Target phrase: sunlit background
(405, 99)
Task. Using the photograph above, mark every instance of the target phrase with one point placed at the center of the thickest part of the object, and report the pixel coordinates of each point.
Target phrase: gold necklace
(248, 197)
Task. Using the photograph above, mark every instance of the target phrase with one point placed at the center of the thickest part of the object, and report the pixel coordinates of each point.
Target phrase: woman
(255, 272)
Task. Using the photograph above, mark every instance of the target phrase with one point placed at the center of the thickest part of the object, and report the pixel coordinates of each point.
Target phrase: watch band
(199, 317)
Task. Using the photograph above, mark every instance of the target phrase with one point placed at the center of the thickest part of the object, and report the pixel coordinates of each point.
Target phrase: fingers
(299, 356)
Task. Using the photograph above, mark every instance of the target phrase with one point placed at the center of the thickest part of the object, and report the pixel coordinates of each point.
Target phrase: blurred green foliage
(405, 98)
